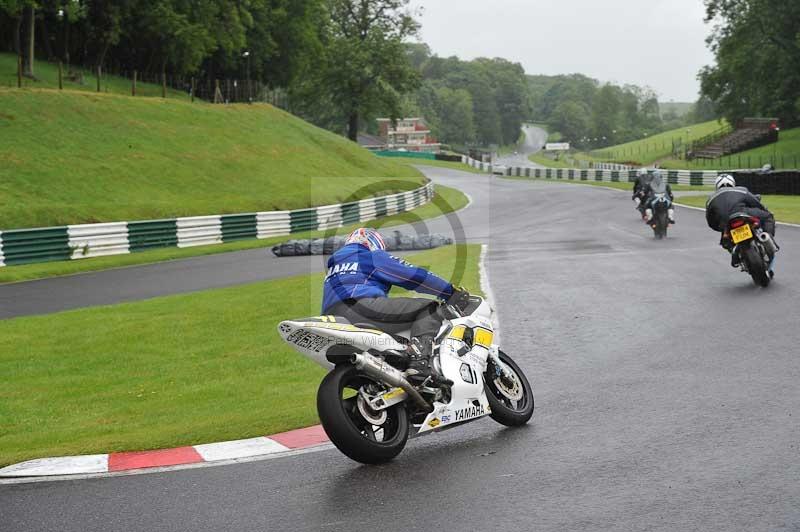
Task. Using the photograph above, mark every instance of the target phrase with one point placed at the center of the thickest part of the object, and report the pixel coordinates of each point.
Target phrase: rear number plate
(740, 234)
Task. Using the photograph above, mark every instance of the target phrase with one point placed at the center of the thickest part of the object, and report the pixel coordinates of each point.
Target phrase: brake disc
(509, 386)
(373, 417)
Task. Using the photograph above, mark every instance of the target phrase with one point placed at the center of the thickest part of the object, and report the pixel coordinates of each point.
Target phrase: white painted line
(229, 450)
(486, 287)
(64, 465)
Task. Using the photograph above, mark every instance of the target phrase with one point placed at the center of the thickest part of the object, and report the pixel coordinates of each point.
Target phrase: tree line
(480, 102)
(346, 62)
(756, 44)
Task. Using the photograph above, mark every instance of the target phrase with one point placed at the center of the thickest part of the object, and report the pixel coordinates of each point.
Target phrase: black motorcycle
(753, 248)
(658, 206)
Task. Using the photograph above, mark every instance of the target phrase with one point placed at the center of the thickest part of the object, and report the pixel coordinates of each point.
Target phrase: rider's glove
(459, 299)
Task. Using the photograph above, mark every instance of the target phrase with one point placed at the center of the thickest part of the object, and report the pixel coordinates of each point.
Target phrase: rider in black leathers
(730, 199)
(657, 184)
(640, 187)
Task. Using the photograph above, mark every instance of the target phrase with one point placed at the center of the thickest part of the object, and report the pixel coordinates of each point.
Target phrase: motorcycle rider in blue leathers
(358, 280)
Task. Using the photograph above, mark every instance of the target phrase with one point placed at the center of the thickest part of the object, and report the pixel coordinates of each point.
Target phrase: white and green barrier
(25, 246)
(474, 163)
(674, 177)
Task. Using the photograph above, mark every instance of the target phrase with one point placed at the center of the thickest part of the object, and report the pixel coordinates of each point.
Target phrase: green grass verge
(166, 372)
(71, 157)
(440, 164)
(785, 208)
(47, 74)
(546, 161)
(447, 200)
(784, 154)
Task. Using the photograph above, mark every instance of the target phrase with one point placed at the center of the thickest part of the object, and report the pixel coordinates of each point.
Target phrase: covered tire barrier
(395, 241)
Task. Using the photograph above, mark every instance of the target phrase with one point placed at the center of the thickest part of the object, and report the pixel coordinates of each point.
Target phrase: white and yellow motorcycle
(367, 406)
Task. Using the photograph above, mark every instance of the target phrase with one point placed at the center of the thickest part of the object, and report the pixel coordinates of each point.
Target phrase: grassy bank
(166, 372)
(784, 154)
(446, 200)
(76, 157)
(785, 208)
(47, 78)
(651, 149)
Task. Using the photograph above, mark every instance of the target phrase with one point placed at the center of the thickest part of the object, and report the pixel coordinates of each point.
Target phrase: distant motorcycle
(658, 209)
(754, 249)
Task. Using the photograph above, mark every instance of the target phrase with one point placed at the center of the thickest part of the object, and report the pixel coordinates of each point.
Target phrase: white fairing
(461, 363)
(468, 400)
(314, 338)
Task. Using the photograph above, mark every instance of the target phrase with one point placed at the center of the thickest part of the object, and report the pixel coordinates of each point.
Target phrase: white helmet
(642, 171)
(724, 180)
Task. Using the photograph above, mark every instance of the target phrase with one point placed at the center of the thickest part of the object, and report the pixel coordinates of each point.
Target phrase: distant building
(410, 134)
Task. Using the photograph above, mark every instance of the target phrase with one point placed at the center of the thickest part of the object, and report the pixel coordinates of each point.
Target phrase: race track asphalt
(666, 386)
(535, 139)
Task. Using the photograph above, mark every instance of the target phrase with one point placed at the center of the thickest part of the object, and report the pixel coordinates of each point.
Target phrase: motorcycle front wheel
(364, 435)
(661, 224)
(511, 399)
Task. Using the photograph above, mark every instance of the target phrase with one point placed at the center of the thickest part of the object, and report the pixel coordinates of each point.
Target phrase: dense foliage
(481, 102)
(589, 114)
(757, 48)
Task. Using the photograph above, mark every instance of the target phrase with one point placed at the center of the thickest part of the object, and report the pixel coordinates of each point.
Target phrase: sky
(655, 43)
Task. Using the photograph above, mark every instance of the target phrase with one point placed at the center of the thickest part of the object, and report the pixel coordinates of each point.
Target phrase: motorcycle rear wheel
(756, 267)
(345, 423)
(505, 409)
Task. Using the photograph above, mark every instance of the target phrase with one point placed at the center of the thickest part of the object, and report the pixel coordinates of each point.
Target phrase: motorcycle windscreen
(658, 185)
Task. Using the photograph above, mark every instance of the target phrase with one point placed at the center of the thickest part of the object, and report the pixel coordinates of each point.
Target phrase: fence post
(60, 77)
(98, 78)
(163, 84)
(192, 88)
(133, 83)
(19, 71)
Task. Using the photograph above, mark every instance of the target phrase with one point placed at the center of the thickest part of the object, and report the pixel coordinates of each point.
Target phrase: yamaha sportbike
(753, 248)
(369, 408)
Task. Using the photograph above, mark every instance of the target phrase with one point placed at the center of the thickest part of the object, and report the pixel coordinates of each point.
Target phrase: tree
(457, 125)
(757, 48)
(364, 67)
(571, 119)
(23, 11)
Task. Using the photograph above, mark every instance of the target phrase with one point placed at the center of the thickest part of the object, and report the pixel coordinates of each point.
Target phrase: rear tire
(756, 267)
(346, 425)
(504, 409)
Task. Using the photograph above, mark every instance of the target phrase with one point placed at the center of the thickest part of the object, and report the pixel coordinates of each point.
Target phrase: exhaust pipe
(375, 367)
(769, 244)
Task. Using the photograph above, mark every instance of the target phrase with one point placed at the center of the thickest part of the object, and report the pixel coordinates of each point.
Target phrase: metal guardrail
(674, 177)
(25, 246)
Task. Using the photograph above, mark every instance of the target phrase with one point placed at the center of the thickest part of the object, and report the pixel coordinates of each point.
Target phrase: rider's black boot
(420, 354)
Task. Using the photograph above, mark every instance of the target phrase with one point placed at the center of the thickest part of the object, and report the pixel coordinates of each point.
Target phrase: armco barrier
(24, 246)
(787, 183)
(674, 177)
